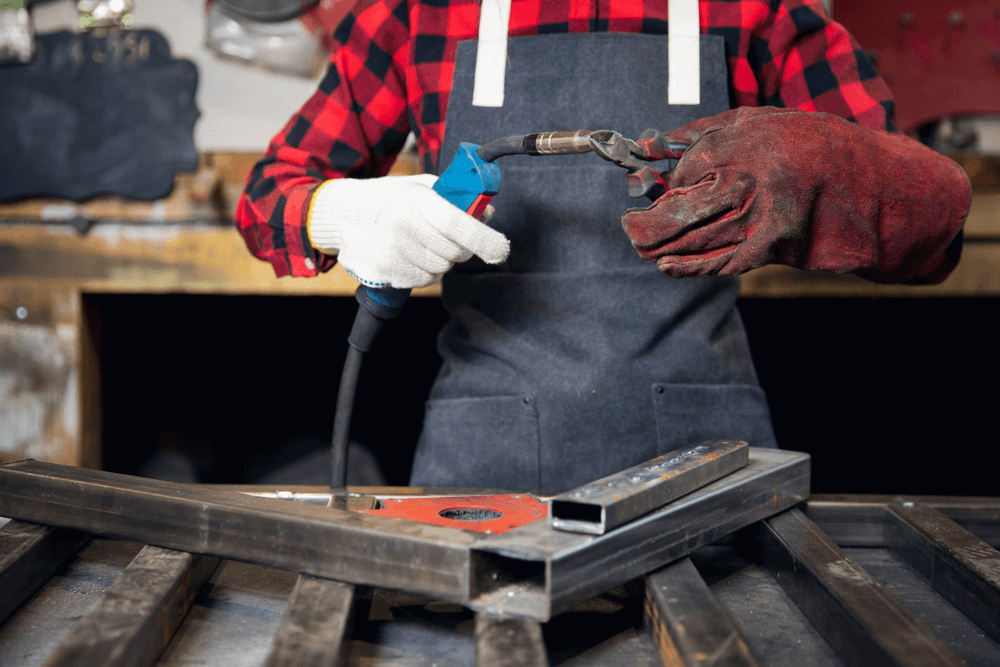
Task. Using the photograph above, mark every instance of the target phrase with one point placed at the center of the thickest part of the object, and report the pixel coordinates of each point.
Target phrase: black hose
(342, 417)
(500, 147)
(375, 306)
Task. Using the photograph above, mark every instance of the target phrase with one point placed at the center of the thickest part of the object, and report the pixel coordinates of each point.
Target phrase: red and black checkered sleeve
(791, 54)
(353, 126)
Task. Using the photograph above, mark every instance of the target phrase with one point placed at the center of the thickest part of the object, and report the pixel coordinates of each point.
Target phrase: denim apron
(576, 358)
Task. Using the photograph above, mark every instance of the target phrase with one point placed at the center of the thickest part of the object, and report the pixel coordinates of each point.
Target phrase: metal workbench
(835, 580)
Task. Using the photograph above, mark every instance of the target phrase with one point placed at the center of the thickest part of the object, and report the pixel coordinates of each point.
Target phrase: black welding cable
(342, 417)
(363, 333)
(505, 146)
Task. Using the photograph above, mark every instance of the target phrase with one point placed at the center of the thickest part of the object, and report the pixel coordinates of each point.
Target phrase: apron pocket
(479, 442)
(688, 414)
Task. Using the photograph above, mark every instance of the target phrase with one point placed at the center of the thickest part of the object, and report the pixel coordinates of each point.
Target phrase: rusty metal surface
(138, 614)
(29, 555)
(536, 572)
(960, 566)
(617, 499)
(860, 620)
(688, 625)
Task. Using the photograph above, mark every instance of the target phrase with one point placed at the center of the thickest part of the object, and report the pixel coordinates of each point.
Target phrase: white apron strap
(491, 55)
(684, 77)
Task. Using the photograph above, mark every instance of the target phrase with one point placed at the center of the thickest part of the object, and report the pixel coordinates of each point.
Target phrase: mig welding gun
(470, 182)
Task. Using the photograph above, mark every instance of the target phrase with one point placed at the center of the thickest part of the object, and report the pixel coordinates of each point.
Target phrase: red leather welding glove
(761, 185)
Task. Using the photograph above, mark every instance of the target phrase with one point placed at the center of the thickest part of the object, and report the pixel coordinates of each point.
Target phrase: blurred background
(138, 335)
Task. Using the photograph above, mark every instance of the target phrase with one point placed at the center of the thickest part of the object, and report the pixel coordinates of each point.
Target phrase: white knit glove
(397, 231)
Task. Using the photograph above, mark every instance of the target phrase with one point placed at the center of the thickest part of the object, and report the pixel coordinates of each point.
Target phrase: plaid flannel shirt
(391, 73)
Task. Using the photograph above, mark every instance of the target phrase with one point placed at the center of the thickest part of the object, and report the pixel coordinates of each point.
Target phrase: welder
(569, 355)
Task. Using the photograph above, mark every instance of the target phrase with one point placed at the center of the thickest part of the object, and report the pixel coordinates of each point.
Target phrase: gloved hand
(395, 230)
(761, 185)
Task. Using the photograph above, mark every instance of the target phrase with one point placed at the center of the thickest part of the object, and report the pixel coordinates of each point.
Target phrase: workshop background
(137, 333)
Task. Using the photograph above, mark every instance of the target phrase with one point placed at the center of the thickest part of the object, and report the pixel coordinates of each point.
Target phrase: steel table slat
(689, 627)
(29, 555)
(960, 566)
(316, 625)
(509, 642)
(860, 620)
(857, 520)
(139, 612)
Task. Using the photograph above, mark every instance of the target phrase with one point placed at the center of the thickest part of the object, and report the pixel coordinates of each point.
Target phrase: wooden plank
(860, 620)
(983, 222)
(976, 275)
(29, 555)
(316, 626)
(39, 365)
(138, 614)
(960, 566)
(90, 390)
(503, 641)
(688, 625)
(983, 170)
(149, 259)
(214, 260)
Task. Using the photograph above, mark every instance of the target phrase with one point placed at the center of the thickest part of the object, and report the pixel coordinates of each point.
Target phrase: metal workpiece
(617, 499)
(859, 619)
(318, 622)
(536, 572)
(688, 625)
(301, 537)
(29, 555)
(138, 614)
(509, 642)
(960, 566)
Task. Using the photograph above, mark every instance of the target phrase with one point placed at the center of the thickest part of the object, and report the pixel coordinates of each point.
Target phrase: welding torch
(470, 182)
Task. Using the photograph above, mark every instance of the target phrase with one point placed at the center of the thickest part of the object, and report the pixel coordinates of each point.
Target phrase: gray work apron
(576, 358)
